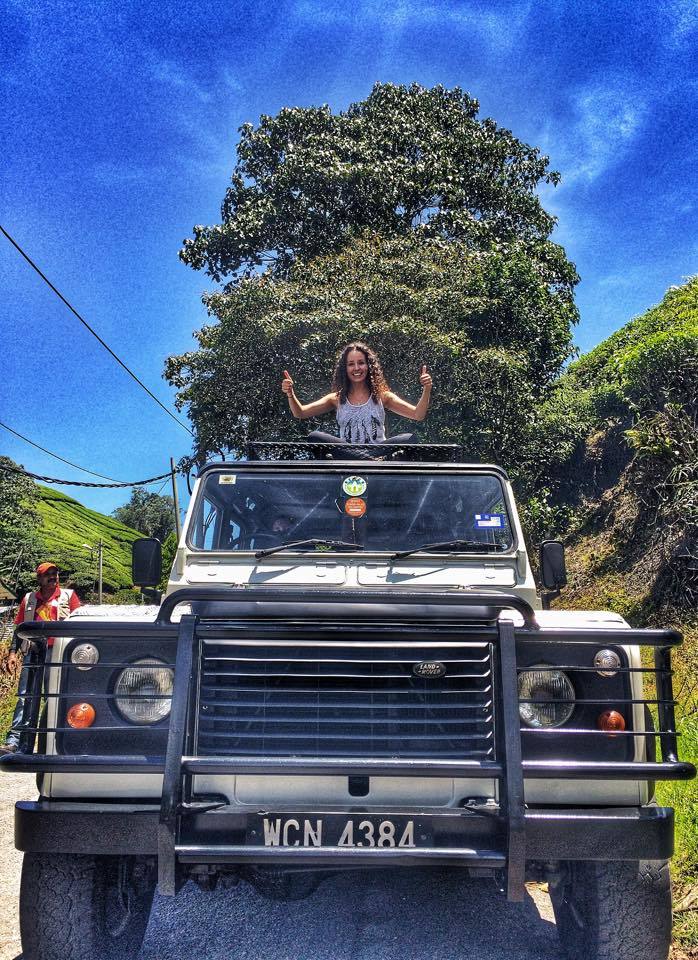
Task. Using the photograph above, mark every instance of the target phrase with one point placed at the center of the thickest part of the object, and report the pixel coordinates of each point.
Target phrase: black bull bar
(473, 611)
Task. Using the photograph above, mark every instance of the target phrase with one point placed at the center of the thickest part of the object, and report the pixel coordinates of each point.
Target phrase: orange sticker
(355, 507)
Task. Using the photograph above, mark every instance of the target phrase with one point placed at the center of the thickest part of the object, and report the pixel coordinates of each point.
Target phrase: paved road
(394, 915)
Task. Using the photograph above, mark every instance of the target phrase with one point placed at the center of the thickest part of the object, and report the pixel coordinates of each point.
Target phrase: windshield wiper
(477, 546)
(332, 544)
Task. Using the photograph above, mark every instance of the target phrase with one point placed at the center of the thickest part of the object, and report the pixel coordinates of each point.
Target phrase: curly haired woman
(360, 395)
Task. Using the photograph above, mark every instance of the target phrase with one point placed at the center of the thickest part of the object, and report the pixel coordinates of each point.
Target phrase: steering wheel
(270, 538)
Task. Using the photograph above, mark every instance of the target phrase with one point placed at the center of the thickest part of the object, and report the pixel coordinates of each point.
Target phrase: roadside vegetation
(627, 501)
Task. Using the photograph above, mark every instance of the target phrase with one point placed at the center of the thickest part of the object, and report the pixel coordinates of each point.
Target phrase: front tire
(75, 907)
(613, 910)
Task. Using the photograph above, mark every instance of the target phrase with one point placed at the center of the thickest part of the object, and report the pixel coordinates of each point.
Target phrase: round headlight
(84, 656)
(143, 690)
(552, 689)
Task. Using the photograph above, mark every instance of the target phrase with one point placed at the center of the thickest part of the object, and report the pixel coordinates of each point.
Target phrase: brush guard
(183, 821)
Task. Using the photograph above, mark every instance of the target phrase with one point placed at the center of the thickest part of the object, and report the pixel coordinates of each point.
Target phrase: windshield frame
(341, 468)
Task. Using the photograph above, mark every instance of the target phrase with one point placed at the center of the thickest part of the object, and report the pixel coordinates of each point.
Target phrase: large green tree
(20, 542)
(149, 513)
(405, 159)
(405, 221)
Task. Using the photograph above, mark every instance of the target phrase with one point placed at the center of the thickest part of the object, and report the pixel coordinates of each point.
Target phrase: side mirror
(146, 562)
(553, 573)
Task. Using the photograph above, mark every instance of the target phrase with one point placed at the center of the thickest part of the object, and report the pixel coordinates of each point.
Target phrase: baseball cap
(45, 567)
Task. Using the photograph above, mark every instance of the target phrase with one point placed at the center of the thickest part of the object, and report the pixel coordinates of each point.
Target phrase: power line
(62, 459)
(83, 483)
(93, 332)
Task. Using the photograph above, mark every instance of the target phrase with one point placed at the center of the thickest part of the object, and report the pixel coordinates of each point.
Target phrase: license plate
(337, 830)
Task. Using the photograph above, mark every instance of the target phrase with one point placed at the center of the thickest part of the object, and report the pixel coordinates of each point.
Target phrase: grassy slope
(616, 562)
(595, 584)
(676, 315)
(67, 525)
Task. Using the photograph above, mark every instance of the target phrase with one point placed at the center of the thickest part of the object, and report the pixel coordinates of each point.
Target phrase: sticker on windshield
(227, 478)
(355, 507)
(489, 521)
(354, 486)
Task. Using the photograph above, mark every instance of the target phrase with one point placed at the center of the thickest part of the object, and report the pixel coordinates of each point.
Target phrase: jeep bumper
(467, 837)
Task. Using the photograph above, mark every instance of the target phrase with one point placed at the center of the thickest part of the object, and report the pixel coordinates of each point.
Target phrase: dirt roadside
(13, 787)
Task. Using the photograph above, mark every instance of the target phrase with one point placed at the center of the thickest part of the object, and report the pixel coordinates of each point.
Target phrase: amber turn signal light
(611, 721)
(81, 715)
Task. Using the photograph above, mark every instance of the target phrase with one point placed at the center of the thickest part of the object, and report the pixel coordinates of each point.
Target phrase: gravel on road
(13, 787)
(385, 915)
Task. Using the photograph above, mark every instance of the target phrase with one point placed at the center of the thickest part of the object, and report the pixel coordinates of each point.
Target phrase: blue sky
(119, 128)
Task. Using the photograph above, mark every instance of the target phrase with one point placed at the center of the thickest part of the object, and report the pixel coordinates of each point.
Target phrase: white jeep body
(447, 572)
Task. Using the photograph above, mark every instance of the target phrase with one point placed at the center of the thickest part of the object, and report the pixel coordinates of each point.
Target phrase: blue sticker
(489, 521)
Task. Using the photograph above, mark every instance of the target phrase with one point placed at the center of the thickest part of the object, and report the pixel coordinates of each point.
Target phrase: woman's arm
(412, 411)
(302, 411)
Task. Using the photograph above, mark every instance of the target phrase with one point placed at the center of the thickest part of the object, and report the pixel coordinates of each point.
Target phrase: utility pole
(175, 497)
(100, 552)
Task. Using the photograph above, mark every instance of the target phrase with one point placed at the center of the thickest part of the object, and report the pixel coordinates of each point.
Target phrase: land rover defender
(351, 667)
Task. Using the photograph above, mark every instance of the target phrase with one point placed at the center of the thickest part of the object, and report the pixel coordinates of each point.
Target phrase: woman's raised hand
(301, 411)
(287, 384)
(425, 378)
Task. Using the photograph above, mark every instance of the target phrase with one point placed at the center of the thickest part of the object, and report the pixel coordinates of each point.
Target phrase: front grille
(344, 699)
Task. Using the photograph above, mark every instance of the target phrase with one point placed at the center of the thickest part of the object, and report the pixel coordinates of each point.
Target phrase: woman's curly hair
(377, 383)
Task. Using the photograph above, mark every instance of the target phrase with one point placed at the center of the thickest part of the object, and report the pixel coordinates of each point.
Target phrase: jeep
(351, 667)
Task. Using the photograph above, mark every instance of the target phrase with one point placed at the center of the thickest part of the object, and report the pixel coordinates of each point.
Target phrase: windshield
(386, 511)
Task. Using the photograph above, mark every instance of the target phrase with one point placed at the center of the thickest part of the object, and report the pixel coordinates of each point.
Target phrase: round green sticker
(354, 486)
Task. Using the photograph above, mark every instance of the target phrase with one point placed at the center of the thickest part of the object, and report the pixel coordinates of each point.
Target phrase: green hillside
(635, 474)
(669, 329)
(68, 525)
(631, 489)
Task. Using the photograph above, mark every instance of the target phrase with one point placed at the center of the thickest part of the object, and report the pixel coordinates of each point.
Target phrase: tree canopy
(404, 221)
(405, 159)
(149, 513)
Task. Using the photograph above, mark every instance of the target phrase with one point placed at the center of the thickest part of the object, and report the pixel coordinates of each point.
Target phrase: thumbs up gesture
(287, 384)
(425, 378)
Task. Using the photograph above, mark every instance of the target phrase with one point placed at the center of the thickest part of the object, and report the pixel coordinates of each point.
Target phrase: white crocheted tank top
(361, 422)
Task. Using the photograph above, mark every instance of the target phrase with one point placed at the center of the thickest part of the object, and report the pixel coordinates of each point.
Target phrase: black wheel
(615, 910)
(84, 908)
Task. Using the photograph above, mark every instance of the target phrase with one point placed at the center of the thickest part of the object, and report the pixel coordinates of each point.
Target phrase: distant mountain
(68, 526)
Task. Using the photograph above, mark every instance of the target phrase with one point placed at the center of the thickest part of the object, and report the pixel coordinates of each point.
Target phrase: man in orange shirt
(49, 602)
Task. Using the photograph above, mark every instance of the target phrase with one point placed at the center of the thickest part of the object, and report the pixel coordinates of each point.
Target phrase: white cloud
(174, 75)
(606, 119)
(623, 280)
(111, 172)
(498, 28)
(609, 120)
(682, 17)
